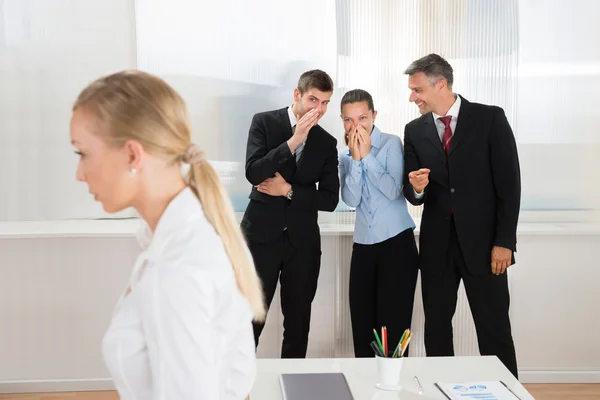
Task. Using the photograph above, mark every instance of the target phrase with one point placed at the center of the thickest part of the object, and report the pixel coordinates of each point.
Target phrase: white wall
(49, 51)
(556, 307)
(59, 286)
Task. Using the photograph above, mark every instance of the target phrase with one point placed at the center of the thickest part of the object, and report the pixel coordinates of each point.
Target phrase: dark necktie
(299, 149)
(447, 137)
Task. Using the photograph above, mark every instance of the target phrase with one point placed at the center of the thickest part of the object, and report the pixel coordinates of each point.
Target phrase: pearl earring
(133, 171)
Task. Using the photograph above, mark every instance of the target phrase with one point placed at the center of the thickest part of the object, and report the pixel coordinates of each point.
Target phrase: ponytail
(207, 186)
(135, 105)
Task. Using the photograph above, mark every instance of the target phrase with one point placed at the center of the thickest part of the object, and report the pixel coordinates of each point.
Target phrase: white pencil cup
(388, 372)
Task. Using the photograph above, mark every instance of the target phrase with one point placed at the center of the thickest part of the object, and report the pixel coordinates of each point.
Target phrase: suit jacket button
(452, 190)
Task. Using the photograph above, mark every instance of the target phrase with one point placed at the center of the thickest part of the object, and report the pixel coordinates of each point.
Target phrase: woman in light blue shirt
(383, 270)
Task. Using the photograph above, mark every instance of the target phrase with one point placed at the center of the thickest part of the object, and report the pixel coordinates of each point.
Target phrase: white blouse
(182, 329)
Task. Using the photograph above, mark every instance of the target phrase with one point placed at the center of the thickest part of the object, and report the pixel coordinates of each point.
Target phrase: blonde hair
(134, 105)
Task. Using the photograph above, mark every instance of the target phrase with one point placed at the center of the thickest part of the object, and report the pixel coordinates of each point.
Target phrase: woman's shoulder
(390, 138)
(195, 246)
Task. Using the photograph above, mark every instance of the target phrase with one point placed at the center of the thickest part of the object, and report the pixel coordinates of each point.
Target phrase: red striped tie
(447, 138)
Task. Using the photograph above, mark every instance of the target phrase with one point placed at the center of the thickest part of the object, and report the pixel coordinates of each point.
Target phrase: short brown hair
(315, 79)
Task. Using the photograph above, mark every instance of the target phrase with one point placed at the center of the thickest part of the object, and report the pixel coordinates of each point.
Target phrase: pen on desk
(419, 385)
(510, 390)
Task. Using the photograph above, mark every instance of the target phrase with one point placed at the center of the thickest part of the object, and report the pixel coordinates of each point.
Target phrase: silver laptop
(324, 386)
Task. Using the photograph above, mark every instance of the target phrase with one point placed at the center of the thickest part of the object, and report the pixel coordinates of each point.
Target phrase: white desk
(62, 278)
(361, 375)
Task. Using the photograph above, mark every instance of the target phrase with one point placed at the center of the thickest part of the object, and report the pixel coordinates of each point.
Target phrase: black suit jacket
(479, 180)
(314, 181)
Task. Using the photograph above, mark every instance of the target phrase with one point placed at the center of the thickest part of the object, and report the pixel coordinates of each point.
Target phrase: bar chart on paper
(494, 390)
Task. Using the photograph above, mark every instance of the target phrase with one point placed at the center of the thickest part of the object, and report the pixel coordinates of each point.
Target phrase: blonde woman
(182, 328)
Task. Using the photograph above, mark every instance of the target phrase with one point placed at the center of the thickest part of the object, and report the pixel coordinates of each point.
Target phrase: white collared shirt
(453, 111)
(293, 122)
(292, 117)
(184, 331)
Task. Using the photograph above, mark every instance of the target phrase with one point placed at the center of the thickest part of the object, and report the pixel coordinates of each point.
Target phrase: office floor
(538, 391)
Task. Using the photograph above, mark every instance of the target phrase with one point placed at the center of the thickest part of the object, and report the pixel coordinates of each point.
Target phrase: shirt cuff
(419, 195)
(356, 167)
(368, 159)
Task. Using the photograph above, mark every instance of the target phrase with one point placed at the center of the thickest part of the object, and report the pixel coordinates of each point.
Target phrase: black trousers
(383, 277)
(297, 270)
(488, 299)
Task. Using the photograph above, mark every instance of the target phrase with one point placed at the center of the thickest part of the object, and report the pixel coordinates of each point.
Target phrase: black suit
(471, 204)
(284, 235)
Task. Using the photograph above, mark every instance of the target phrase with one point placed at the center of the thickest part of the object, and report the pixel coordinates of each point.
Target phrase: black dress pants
(297, 270)
(383, 277)
(488, 299)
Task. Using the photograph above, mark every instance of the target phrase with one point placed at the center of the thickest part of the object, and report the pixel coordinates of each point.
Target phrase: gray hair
(434, 67)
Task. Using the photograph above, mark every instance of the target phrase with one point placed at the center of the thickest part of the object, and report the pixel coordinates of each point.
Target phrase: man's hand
(501, 259)
(419, 179)
(303, 126)
(353, 144)
(276, 186)
(364, 141)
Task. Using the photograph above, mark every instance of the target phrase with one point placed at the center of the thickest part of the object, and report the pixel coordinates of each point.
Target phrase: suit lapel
(432, 134)
(284, 121)
(463, 124)
(440, 175)
(288, 168)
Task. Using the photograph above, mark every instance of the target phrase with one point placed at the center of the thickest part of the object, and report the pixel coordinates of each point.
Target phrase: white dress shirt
(453, 112)
(292, 117)
(293, 122)
(182, 329)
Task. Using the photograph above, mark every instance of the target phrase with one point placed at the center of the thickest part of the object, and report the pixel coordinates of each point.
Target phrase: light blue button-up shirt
(374, 186)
